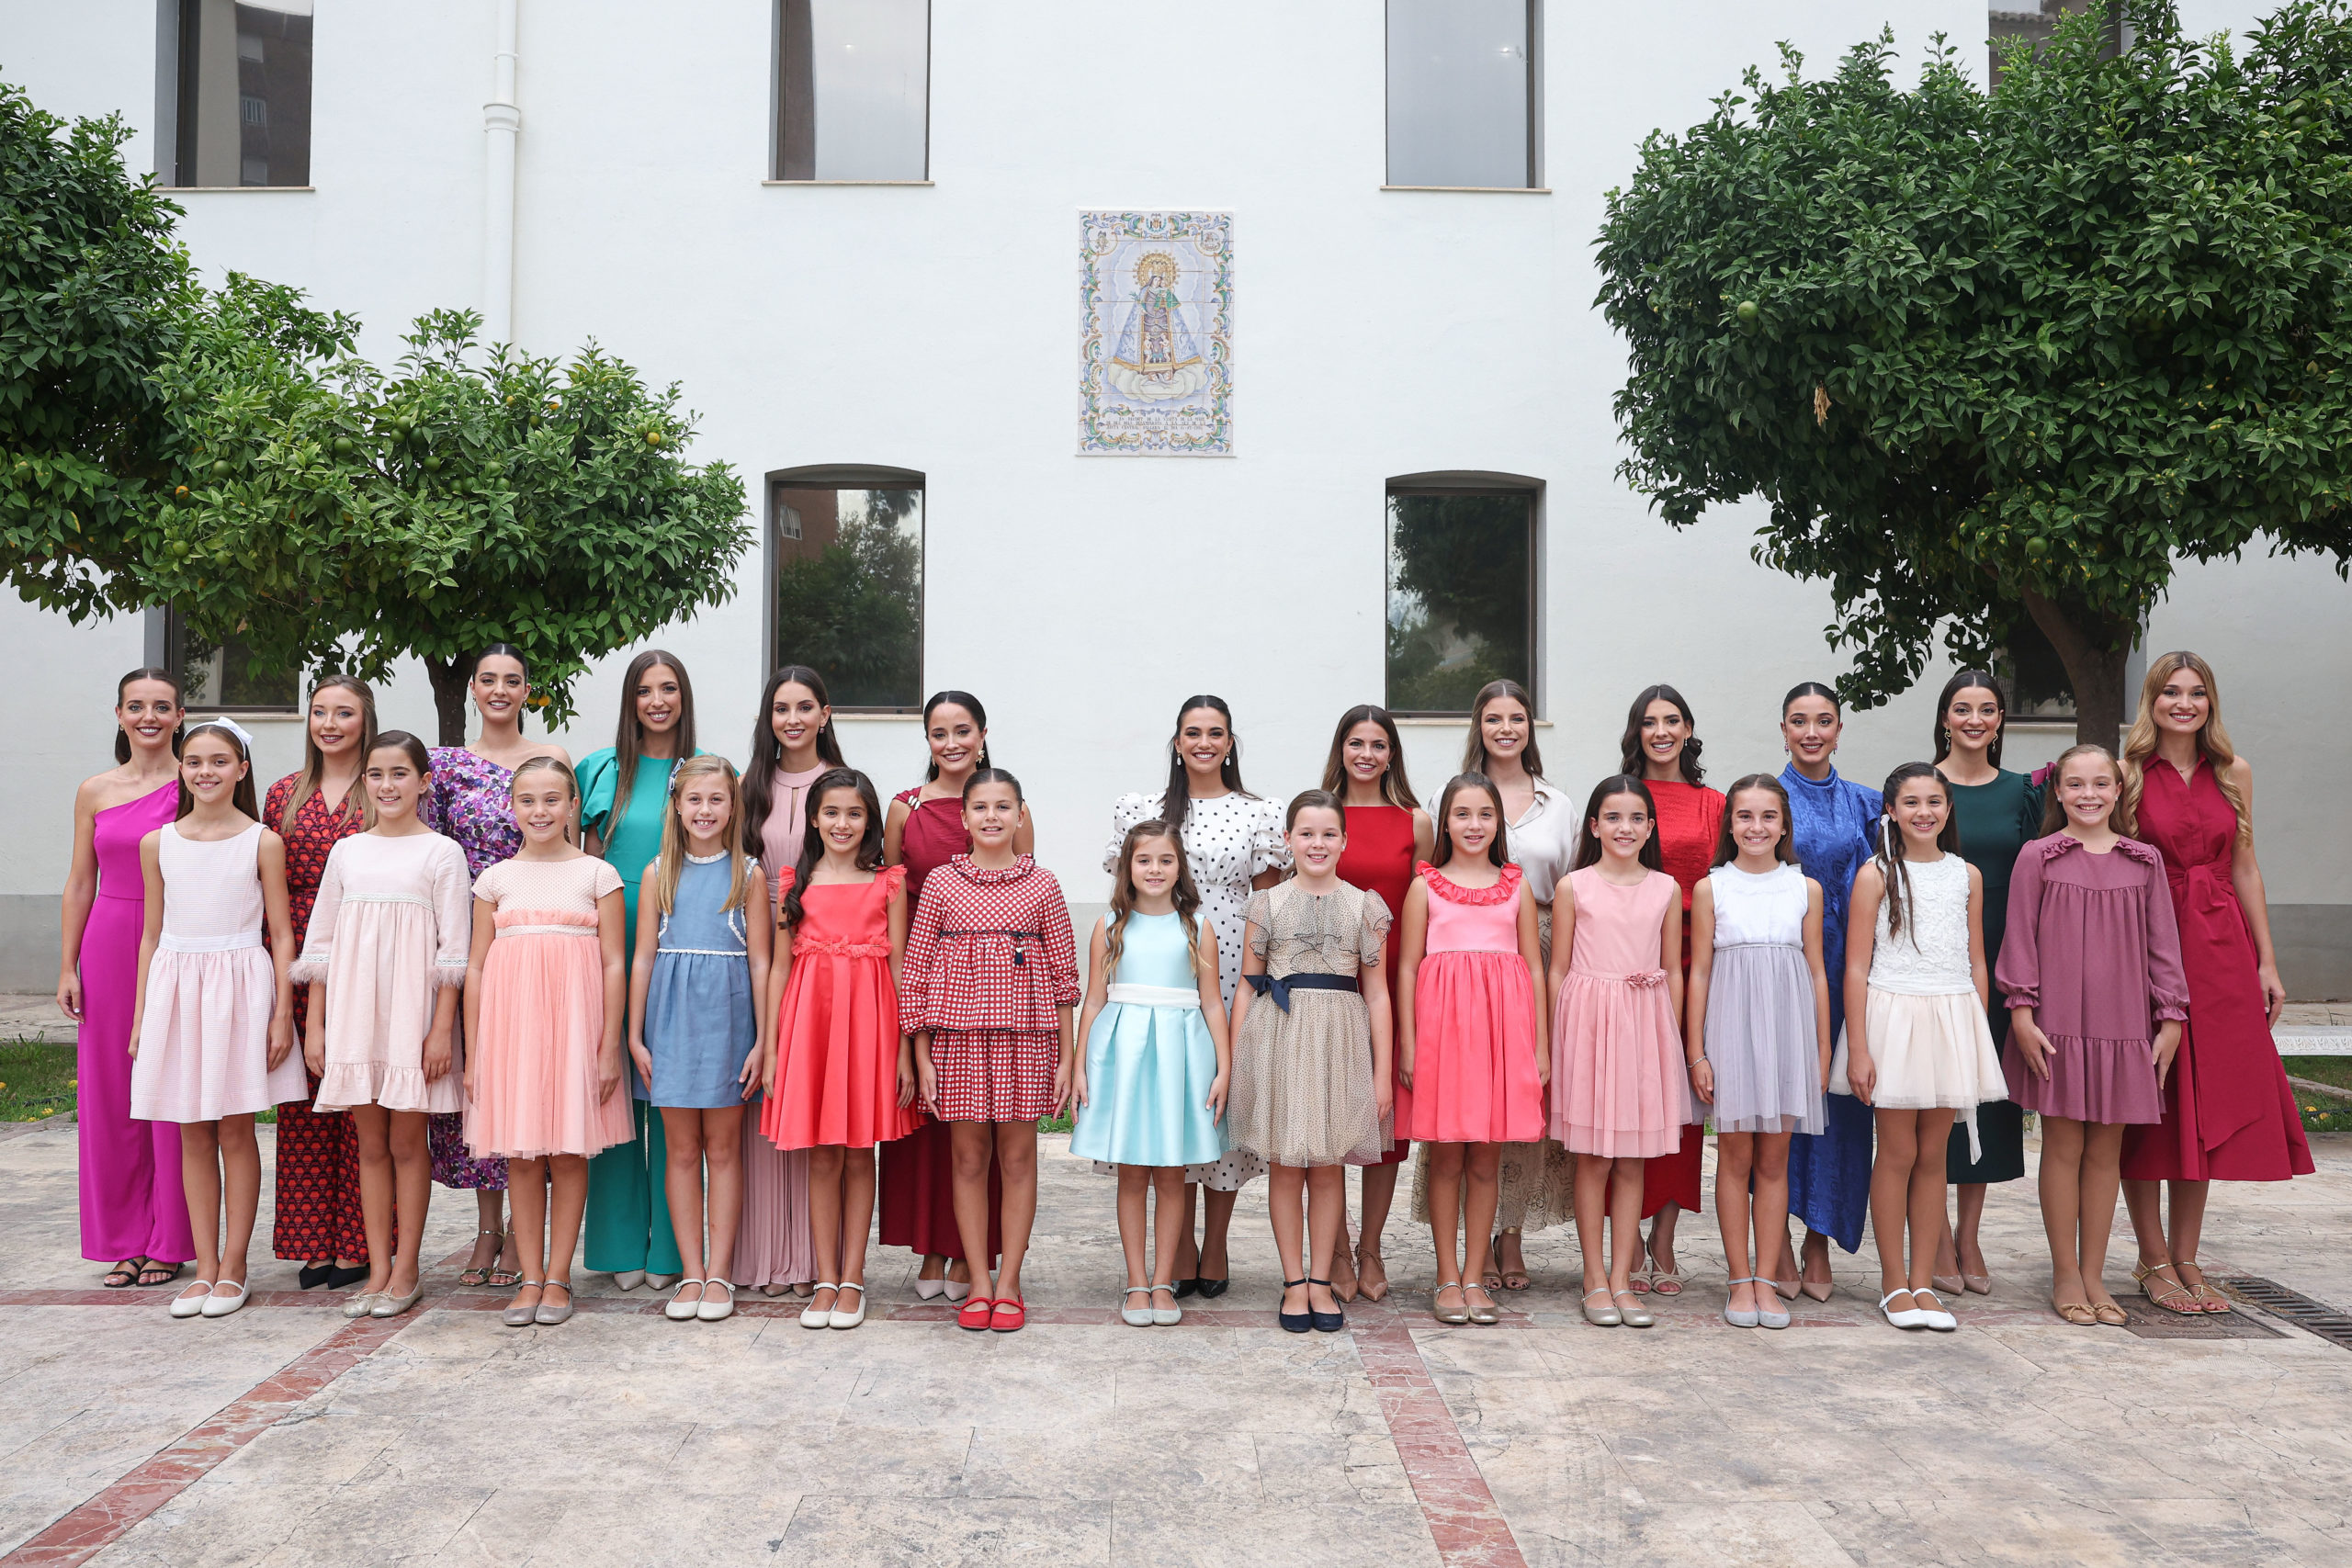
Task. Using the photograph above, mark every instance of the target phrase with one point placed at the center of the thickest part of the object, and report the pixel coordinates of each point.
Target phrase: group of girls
(504, 974)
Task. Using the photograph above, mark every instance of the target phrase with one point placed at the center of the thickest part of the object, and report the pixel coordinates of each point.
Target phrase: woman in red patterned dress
(316, 1195)
(1661, 750)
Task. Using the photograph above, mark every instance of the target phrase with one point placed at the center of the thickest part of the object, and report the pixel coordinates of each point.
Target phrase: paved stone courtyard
(283, 1435)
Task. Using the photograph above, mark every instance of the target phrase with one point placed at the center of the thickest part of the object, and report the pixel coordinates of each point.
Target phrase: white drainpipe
(503, 122)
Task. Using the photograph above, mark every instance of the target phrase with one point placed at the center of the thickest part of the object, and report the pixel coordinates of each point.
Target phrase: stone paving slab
(284, 1436)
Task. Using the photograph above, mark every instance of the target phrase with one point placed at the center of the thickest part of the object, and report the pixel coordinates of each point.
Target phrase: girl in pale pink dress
(1621, 1091)
(544, 1009)
(212, 1034)
(384, 958)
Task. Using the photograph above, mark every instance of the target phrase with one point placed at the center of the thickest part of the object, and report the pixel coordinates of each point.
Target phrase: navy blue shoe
(1323, 1321)
(1296, 1321)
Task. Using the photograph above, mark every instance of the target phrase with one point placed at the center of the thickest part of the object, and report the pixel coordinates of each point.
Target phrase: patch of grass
(36, 1080)
(2323, 1113)
(2336, 1070)
(1061, 1123)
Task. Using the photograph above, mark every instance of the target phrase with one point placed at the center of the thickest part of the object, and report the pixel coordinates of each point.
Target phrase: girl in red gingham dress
(989, 980)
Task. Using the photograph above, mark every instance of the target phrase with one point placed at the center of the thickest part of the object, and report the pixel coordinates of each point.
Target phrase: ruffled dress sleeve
(2018, 974)
(599, 778)
(1269, 851)
(317, 942)
(1375, 937)
(1128, 810)
(453, 912)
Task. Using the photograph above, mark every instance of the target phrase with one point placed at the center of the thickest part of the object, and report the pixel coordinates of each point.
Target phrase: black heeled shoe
(1212, 1289)
(313, 1275)
(1324, 1322)
(1296, 1321)
(1185, 1288)
(343, 1279)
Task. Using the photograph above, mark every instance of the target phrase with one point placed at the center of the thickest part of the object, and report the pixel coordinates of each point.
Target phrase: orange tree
(2011, 353)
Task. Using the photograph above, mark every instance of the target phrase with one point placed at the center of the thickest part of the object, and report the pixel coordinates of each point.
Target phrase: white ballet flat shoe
(927, 1290)
(193, 1306)
(955, 1290)
(1909, 1317)
(821, 1317)
(1934, 1317)
(1167, 1316)
(220, 1304)
(716, 1309)
(678, 1309)
(628, 1278)
(1743, 1317)
(1135, 1316)
(840, 1319)
(1768, 1315)
(362, 1306)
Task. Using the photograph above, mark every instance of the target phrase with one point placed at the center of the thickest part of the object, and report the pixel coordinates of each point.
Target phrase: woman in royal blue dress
(1829, 1173)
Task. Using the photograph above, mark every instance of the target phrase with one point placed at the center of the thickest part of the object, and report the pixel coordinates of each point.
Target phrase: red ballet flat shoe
(1007, 1316)
(975, 1314)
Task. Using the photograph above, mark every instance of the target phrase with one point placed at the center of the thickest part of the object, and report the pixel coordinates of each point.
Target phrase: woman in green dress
(1999, 812)
(624, 792)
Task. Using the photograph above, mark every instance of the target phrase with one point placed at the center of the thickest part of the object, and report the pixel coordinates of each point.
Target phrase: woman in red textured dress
(1661, 750)
(1387, 833)
(917, 1186)
(2229, 1112)
(315, 1195)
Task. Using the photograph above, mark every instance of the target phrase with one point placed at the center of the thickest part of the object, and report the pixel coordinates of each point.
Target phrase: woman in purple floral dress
(469, 802)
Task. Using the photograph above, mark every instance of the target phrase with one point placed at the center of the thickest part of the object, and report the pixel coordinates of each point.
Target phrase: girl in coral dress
(838, 1075)
(1471, 1045)
(1621, 1094)
(545, 1002)
(384, 958)
(212, 1034)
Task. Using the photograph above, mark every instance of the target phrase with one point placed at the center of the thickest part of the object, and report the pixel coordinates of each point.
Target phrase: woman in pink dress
(134, 1213)
(2228, 1113)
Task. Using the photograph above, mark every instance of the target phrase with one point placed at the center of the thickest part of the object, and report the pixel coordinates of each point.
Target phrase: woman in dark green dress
(1999, 812)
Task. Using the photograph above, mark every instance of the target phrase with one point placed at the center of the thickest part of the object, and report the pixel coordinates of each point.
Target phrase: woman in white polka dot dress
(1233, 841)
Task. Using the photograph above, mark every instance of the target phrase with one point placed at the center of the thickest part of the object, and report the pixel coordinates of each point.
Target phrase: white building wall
(932, 328)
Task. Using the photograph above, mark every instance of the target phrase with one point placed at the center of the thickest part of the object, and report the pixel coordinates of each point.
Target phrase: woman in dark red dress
(1660, 749)
(1388, 831)
(2229, 1111)
(316, 1195)
(916, 1187)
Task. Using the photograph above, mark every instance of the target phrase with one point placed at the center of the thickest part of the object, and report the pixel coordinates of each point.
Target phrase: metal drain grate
(2311, 1317)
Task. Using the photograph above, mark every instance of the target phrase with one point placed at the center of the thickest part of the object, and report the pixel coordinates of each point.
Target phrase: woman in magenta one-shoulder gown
(134, 1212)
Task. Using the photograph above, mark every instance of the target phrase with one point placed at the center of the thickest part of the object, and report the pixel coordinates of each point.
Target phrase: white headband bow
(245, 737)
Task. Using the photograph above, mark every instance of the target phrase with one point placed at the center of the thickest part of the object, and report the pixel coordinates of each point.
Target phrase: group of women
(2228, 1113)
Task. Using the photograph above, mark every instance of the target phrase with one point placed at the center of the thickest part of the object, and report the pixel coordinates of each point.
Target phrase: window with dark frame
(1464, 98)
(225, 678)
(243, 109)
(852, 90)
(1460, 579)
(845, 554)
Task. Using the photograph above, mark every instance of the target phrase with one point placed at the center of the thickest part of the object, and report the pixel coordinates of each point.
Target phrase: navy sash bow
(1281, 987)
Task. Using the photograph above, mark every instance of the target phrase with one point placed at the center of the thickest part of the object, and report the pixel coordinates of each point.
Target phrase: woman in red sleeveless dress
(1660, 750)
(2230, 1113)
(1387, 833)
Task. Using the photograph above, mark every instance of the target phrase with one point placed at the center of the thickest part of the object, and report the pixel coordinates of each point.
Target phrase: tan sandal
(2111, 1316)
(2172, 1291)
(2079, 1314)
(2200, 1289)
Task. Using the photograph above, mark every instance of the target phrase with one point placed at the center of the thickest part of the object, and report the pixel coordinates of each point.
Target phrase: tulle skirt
(541, 1028)
(1620, 1086)
(1934, 1054)
(1763, 1041)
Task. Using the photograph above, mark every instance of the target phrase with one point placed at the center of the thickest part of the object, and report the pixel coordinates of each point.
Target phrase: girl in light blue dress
(1151, 1081)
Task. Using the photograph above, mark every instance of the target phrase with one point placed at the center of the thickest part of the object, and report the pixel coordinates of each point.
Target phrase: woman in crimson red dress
(2229, 1112)
(1387, 832)
(916, 1187)
(315, 1197)
(1661, 749)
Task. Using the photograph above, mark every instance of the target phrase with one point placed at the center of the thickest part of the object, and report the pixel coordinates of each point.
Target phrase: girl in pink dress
(212, 1032)
(1622, 1092)
(2090, 968)
(1471, 1045)
(384, 958)
(838, 1075)
(545, 1002)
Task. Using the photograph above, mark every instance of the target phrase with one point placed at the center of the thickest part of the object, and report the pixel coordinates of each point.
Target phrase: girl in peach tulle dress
(545, 1003)
(1621, 1091)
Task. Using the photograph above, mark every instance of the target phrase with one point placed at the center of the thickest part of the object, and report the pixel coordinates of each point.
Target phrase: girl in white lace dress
(1917, 1048)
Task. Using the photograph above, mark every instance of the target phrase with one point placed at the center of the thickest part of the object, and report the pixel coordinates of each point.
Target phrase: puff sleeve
(1128, 810)
(1374, 939)
(2168, 979)
(1269, 851)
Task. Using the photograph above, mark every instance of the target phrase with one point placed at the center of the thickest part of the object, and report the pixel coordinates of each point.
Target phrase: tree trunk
(2093, 652)
(448, 679)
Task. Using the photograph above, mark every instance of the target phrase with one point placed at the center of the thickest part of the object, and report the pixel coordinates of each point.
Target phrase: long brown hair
(2054, 810)
(1176, 803)
(1123, 895)
(812, 839)
(315, 761)
(179, 700)
(1961, 681)
(1631, 755)
(1727, 848)
(1893, 865)
(2212, 739)
(241, 796)
(767, 752)
(418, 757)
(670, 863)
(1474, 755)
(1588, 851)
(1395, 788)
(628, 739)
(1497, 848)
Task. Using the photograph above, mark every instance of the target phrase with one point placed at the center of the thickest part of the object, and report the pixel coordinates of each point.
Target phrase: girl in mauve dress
(1621, 1093)
(1471, 1046)
(546, 977)
(211, 1033)
(314, 1194)
(990, 983)
(2091, 974)
(838, 1070)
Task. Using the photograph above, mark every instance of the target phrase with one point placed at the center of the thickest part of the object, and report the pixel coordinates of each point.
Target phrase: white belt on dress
(1153, 996)
(230, 943)
(503, 932)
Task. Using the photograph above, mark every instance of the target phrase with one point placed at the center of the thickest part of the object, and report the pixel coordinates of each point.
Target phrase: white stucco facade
(930, 327)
